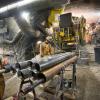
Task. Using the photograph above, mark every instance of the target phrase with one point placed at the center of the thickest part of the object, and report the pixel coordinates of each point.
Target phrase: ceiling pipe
(11, 9)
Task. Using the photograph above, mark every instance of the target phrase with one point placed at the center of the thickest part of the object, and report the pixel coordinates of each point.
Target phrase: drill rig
(27, 34)
(70, 33)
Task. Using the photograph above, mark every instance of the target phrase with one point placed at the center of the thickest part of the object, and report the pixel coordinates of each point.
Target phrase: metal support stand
(61, 90)
(74, 76)
(62, 82)
(20, 95)
(63, 85)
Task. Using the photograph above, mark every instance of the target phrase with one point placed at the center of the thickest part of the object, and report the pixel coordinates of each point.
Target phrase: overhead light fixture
(39, 42)
(26, 16)
(16, 5)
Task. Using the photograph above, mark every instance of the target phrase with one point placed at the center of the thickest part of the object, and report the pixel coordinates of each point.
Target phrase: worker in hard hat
(46, 48)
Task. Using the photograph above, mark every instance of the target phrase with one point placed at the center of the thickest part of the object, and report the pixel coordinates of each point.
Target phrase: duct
(26, 27)
(17, 27)
(14, 30)
(12, 25)
(41, 17)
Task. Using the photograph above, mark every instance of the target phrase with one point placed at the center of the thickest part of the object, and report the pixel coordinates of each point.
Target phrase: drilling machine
(39, 14)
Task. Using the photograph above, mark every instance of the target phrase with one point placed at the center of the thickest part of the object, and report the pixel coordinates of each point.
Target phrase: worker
(46, 48)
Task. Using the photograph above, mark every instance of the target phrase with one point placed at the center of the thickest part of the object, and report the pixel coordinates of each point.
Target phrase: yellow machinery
(67, 38)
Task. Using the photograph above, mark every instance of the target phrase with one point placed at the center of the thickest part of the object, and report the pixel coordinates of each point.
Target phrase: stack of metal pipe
(41, 71)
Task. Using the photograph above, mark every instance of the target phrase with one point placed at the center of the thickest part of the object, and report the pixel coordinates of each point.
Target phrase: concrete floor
(88, 83)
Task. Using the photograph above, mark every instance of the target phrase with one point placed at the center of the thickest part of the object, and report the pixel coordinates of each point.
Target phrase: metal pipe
(55, 70)
(26, 73)
(49, 74)
(16, 66)
(29, 88)
(43, 65)
(54, 60)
